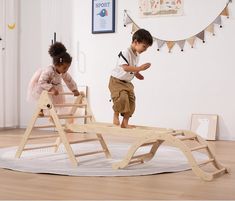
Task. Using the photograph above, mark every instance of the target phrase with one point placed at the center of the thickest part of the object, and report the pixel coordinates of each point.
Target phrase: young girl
(50, 78)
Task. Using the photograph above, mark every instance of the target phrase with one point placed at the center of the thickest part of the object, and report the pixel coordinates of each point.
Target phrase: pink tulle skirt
(35, 90)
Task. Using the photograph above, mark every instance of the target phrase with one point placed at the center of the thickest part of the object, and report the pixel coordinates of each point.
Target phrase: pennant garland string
(181, 43)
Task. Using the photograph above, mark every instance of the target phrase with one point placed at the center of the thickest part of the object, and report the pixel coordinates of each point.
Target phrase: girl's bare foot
(50, 119)
(116, 119)
(41, 114)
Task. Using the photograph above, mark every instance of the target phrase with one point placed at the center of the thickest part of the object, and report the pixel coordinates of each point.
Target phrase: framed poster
(103, 16)
(204, 125)
(153, 8)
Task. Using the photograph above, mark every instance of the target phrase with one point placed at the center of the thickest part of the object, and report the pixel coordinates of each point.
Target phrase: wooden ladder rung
(206, 162)
(142, 156)
(147, 144)
(136, 161)
(73, 117)
(81, 141)
(187, 138)
(70, 105)
(45, 126)
(41, 147)
(62, 93)
(199, 147)
(67, 116)
(90, 153)
(43, 137)
(219, 171)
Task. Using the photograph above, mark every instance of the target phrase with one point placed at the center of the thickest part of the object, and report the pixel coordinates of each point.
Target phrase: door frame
(2, 62)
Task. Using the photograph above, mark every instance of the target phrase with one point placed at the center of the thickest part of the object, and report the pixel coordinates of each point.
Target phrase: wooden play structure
(61, 136)
(154, 137)
(187, 141)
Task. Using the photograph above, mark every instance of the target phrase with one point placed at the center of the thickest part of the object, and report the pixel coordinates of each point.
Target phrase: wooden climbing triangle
(45, 104)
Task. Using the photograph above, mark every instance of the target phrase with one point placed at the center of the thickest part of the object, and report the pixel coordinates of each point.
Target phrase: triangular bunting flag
(201, 36)
(160, 43)
(134, 28)
(170, 45)
(218, 21)
(126, 20)
(210, 29)
(181, 44)
(154, 39)
(225, 12)
(191, 41)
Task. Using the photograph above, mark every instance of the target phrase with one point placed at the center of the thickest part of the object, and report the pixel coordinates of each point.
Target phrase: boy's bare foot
(131, 126)
(125, 122)
(127, 126)
(116, 119)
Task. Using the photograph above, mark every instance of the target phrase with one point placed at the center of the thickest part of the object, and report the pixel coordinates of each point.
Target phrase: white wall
(2, 53)
(30, 52)
(178, 84)
(39, 20)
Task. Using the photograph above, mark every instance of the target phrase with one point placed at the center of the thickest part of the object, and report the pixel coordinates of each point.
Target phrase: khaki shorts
(123, 96)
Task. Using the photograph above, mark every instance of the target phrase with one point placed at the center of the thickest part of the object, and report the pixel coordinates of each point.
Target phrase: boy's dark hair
(143, 36)
(59, 55)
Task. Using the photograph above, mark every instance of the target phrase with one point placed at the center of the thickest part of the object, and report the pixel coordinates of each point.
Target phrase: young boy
(120, 86)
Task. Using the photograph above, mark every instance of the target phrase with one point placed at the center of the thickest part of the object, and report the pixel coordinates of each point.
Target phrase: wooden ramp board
(112, 129)
(154, 137)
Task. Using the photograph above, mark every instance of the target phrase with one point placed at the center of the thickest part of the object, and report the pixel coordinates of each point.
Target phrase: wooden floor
(172, 186)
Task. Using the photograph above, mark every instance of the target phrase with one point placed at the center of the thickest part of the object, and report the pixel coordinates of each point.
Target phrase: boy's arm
(139, 76)
(135, 69)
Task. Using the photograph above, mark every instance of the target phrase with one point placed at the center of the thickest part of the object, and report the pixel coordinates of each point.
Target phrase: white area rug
(167, 159)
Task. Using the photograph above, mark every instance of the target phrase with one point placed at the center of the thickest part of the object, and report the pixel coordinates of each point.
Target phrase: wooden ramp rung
(206, 162)
(42, 137)
(40, 147)
(90, 153)
(177, 133)
(147, 144)
(81, 141)
(199, 147)
(223, 170)
(187, 138)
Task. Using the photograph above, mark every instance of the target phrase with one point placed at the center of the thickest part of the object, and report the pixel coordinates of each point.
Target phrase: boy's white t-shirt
(119, 72)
